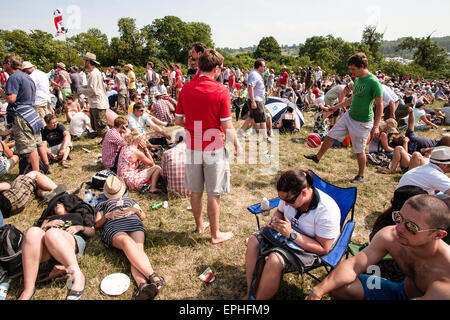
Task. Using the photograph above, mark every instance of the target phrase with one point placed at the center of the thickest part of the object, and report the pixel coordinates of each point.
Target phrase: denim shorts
(81, 245)
(386, 291)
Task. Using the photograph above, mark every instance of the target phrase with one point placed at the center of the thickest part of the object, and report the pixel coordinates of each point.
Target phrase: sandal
(149, 290)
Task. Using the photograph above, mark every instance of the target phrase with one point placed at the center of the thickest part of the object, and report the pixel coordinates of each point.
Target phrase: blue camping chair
(345, 199)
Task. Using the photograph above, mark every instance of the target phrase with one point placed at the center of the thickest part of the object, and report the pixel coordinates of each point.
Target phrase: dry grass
(180, 255)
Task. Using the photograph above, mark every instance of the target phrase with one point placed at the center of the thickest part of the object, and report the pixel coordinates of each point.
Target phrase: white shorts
(359, 132)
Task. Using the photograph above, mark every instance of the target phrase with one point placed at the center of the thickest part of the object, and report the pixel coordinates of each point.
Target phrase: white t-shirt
(388, 95)
(139, 123)
(429, 177)
(323, 221)
(318, 75)
(79, 123)
(41, 81)
(256, 81)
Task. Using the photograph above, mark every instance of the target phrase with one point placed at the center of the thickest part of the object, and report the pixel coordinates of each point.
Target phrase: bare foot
(201, 230)
(222, 237)
(26, 295)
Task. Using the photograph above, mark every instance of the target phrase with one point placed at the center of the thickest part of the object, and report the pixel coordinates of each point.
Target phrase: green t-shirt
(364, 93)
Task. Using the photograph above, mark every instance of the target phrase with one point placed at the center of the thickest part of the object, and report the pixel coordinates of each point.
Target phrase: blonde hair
(133, 136)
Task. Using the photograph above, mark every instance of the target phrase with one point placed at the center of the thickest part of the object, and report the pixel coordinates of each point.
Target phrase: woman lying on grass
(120, 217)
(61, 234)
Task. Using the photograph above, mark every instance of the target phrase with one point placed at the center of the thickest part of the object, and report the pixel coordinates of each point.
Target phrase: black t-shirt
(53, 137)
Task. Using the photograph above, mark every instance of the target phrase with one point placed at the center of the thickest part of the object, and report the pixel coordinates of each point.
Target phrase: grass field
(179, 254)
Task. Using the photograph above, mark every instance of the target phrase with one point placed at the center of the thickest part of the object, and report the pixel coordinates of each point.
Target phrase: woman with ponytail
(306, 216)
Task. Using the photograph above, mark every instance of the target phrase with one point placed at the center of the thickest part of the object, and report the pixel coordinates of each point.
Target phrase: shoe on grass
(312, 157)
(357, 179)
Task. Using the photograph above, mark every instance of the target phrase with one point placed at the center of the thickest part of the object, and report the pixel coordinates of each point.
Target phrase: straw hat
(27, 65)
(61, 65)
(129, 66)
(389, 126)
(114, 187)
(440, 155)
(91, 57)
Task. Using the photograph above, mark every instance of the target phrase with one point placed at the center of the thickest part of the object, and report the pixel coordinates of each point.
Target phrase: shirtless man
(72, 107)
(416, 245)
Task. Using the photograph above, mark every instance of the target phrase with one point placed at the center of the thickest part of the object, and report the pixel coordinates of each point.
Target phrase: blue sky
(242, 23)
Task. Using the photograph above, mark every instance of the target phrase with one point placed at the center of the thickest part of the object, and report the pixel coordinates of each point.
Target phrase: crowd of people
(364, 108)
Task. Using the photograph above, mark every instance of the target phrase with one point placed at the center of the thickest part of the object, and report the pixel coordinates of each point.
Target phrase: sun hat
(440, 155)
(114, 187)
(27, 65)
(91, 57)
(61, 65)
(389, 126)
(129, 66)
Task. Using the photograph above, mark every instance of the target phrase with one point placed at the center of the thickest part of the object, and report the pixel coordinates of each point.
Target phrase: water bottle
(4, 286)
(156, 206)
(87, 196)
(94, 200)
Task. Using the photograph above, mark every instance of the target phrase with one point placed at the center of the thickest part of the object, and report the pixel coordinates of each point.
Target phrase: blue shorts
(387, 290)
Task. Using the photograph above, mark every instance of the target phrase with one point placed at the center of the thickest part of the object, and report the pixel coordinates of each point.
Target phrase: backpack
(98, 180)
(11, 240)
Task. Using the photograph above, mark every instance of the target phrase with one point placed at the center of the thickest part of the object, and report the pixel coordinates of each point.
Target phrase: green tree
(174, 37)
(131, 45)
(373, 39)
(428, 53)
(268, 49)
(93, 41)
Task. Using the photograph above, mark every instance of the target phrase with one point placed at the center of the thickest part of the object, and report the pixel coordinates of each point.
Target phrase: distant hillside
(387, 48)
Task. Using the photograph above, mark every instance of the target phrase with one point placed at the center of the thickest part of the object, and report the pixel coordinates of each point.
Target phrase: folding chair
(345, 199)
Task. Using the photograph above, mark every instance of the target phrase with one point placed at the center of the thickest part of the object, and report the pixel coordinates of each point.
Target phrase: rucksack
(98, 180)
(11, 240)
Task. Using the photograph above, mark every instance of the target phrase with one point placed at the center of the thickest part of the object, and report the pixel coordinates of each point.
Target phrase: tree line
(168, 40)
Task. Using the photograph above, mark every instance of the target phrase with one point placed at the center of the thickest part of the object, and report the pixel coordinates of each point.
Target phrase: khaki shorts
(122, 98)
(43, 109)
(210, 168)
(285, 263)
(57, 148)
(26, 141)
(21, 193)
(359, 132)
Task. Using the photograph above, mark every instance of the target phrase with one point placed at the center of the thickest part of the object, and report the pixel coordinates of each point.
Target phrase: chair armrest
(338, 251)
(256, 208)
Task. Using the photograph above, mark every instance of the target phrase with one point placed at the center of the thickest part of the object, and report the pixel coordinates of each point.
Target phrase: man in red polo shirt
(204, 109)
(284, 76)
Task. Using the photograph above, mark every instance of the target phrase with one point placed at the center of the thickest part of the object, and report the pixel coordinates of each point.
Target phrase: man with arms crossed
(416, 245)
(359, 121)
(206, 156)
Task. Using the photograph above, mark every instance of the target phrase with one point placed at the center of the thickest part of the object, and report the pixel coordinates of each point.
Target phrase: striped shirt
(127, 224)
(110, 147)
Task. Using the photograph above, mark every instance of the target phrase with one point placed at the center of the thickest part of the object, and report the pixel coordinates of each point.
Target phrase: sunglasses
(141, 110)
(293, 200)
(410, 226)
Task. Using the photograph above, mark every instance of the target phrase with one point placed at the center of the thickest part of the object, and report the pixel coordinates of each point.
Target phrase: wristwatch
(292, 236)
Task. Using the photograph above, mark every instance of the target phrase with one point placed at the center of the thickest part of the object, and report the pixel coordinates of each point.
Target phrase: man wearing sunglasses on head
(415, 243)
